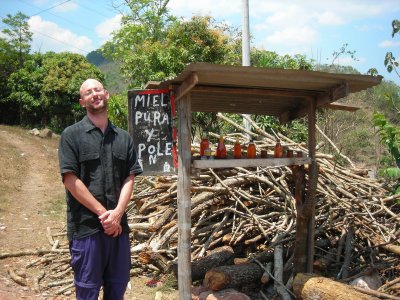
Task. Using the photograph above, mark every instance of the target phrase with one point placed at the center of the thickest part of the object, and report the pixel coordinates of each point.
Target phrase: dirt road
(32, 198)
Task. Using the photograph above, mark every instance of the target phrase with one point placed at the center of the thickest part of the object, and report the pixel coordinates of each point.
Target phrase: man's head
(94, 97)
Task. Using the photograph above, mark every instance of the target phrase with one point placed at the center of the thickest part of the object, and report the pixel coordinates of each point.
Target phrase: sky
(315, 28)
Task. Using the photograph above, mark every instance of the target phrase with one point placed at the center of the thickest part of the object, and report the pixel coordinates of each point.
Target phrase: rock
(227, 294)
(34, 132)
(197, 290)
(372, 281)
(46, 133)
(158, 296)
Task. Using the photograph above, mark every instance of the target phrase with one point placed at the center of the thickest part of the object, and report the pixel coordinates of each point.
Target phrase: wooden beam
(336, 93)
(184, 200)
(237, 90)
(250, 163)
(295, 113)
(185, 87)
(341, 106)
(152, 85)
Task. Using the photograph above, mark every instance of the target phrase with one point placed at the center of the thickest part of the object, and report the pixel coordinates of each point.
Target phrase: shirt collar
(89, 126)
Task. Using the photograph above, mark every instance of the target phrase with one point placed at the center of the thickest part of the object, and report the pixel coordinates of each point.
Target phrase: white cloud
(369, 27)
(329, 18)
(292, 37)
(349, 61)
(56, 38)
(389, 44)
(59, 5)
(216, 8)
(65, 7)
(105, 28)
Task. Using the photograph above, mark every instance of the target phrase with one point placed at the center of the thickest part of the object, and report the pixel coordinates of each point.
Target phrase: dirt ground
(31, 200)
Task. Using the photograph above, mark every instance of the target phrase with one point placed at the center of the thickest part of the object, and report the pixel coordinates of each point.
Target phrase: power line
(57, 16)
(62, 42)
(93, 10)
(54, 6)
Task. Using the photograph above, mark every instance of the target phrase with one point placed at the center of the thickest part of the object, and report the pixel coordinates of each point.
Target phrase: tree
(18, 35)
(154, 45)
(390, 132)
(14, 51)
(47, 88)
(269, 59)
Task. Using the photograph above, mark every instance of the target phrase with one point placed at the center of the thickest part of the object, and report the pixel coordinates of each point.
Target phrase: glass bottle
(251, 150)
(221, 149)
(237, 149)
(204, 144)
(278, 150)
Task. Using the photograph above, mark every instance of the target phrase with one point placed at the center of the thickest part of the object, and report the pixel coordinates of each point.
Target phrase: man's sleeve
(134, 166)
(67, 154)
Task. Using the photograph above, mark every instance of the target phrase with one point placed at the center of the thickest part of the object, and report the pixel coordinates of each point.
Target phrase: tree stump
(310, 286)
(231, 276)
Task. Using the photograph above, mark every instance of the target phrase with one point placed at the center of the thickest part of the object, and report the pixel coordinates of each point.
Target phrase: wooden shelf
(257, 162)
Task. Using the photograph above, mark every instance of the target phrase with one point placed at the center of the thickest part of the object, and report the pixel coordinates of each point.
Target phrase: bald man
(98, 164)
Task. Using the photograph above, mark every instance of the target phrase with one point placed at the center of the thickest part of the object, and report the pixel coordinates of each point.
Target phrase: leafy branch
(390, 61)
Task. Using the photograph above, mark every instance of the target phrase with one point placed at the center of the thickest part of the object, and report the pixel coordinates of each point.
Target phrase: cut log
(163, 219)
(231, 276)
(310, 286)
(218, 257)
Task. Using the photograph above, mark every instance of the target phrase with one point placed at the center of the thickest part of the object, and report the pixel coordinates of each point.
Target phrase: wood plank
(184, 199)
(186, 86)
(259, 162)
(341, 106)
(312, 182)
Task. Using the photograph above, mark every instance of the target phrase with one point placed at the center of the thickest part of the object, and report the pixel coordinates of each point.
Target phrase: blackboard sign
(151, 114)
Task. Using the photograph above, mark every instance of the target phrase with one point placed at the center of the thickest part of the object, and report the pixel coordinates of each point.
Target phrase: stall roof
(255, 90)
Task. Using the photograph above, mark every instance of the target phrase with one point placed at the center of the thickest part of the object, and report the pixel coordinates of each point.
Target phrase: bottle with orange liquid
(204, 144)
(251, 150)
(278, 150)
(237, 150)
(221, 149)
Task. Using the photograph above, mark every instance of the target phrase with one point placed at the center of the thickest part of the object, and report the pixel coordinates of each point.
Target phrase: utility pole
(246, 47)
(245, 34)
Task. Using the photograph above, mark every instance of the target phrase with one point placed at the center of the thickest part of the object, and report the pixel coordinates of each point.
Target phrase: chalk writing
(150, 125)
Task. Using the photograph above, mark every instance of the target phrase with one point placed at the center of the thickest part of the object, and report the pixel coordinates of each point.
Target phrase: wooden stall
(285, 94)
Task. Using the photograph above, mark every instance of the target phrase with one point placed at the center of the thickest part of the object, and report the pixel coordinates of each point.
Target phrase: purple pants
(100, 260)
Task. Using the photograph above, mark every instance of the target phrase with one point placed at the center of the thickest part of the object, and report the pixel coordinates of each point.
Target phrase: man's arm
(113, 217)
(81, 193)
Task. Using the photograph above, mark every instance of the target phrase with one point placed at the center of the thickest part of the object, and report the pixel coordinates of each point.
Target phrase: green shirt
(102, 162)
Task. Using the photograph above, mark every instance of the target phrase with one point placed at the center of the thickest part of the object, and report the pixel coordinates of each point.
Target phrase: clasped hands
(111, 222)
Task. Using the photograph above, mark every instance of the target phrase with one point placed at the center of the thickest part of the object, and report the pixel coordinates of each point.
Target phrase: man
(98, 164)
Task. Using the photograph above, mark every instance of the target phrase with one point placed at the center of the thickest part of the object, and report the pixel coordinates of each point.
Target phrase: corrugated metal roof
(254, 90)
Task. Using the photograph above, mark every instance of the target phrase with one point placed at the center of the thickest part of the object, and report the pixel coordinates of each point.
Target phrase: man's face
(94, 97)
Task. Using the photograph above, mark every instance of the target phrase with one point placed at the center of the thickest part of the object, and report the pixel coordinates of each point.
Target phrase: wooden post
(304, 239)
(312, 182)
(300, 249)
(184, 200)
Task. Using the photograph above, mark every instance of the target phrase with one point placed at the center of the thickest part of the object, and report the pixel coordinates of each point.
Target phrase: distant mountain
(96, 58)
(114, 82)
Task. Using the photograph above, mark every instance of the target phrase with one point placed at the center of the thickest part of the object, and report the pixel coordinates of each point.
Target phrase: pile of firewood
(245, 217)
(253, 211)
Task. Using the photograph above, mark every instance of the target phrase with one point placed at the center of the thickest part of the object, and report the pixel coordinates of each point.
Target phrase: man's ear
(107, 94)
(82, 103)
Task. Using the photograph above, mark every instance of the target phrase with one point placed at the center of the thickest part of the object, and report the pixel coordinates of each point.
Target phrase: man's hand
(111, 222)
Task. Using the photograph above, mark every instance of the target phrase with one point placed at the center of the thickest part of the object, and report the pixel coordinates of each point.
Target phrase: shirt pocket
(91, 172)
(120, 166)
